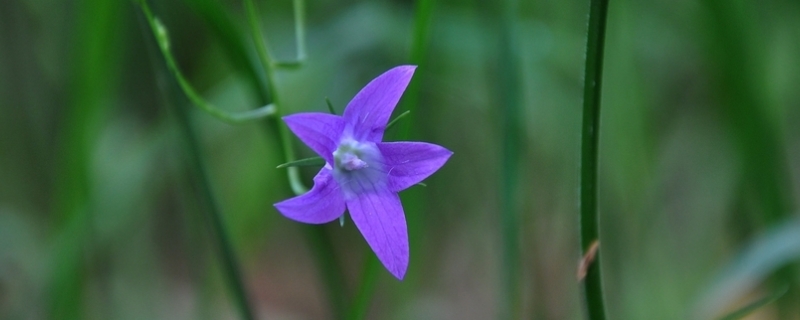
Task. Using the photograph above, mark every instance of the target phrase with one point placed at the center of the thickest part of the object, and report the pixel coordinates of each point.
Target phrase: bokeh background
(102, 216)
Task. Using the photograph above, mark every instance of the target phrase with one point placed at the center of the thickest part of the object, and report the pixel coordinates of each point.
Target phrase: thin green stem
(162, 38)
(329, 268)
(592, 284)
(233, 42)
(267, 61)
(229, 259)
(219, 233)
(300, 28)
(293, 173)
(258, 39)
(299, 35)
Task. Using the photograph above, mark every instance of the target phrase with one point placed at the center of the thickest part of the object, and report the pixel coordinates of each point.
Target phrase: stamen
(351, 162)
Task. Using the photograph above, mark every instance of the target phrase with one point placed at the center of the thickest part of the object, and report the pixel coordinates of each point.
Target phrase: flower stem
(222, 239)
(267, 63)
(229, 260)
(206, 197)
(592, 284)
(162, 38)
(326, 261)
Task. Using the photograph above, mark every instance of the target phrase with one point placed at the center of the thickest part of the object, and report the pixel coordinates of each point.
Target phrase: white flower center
(348, 156)
(358, 167)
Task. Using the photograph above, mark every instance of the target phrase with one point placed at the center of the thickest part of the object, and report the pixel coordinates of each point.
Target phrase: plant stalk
(589, 224)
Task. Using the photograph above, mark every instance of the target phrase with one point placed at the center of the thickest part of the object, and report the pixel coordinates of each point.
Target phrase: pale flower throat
(348, 156)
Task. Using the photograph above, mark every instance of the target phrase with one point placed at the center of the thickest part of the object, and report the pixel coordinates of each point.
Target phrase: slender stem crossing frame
(329, 267)
(222, 239)
(593, 76)
(162, 38)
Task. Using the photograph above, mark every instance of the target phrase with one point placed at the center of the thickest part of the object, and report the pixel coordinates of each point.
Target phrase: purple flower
(362, 173)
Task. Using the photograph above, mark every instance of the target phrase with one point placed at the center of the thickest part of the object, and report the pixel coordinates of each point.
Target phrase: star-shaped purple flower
(362, 173)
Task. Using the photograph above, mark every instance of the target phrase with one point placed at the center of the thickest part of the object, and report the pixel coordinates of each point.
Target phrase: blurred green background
(101, 216)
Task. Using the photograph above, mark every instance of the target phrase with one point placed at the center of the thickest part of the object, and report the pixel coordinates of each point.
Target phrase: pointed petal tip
(408, 70)
(412, 162)
(408, 67)
(399, 273)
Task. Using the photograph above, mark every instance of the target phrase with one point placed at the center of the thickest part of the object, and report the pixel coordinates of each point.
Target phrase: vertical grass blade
(589, 225)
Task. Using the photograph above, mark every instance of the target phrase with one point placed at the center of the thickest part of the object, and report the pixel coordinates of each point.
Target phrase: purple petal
(323, 203)
(320, 131)
(378, 214)
(408, 163)
(369, 111)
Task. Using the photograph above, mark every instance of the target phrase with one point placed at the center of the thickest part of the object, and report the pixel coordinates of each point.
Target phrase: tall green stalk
(197, 166)
(214, 215)
(160, 33)
(593, 77)
(319, 240)
(268, 64)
